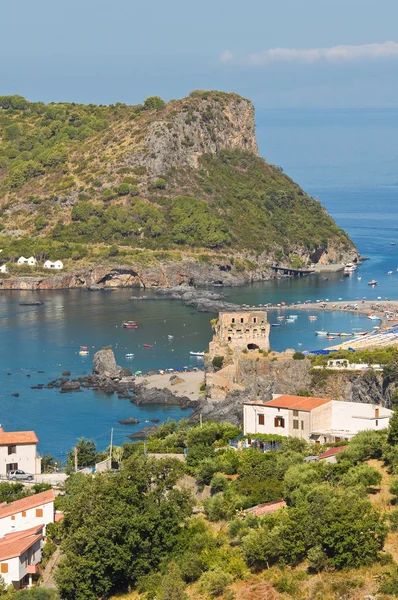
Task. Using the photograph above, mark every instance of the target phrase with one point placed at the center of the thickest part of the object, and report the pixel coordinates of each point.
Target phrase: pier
(295, 272)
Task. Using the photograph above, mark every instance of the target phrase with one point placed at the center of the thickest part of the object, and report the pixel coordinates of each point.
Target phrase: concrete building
(246, 330)
(20, 555)
(319, 420)
(18, 450)
(31, 261)
(26, 513)
(3, 269)
(58, 264)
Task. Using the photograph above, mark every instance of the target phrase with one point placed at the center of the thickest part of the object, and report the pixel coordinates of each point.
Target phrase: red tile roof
(297, 402)
(17, 437)
(16, 535)
(332, 451)
(26, 503)
(14, 545)
(267, 508)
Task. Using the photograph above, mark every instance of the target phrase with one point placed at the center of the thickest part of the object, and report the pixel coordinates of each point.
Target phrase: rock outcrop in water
(104, 364)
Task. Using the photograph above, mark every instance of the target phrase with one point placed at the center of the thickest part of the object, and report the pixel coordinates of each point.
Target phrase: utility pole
(111, 446)
(75, 453)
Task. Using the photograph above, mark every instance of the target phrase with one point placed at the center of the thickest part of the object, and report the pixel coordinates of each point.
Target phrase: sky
(280, 53)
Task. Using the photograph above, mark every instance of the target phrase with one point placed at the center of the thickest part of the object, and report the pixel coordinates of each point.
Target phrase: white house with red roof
(28, 512)
(320, 420)
(18, 450)
(20, 555)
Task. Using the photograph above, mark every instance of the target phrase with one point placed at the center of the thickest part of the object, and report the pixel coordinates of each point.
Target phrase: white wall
(19, 523)
(25, 457)
(355, 416)
(17, 568)
(250, 419)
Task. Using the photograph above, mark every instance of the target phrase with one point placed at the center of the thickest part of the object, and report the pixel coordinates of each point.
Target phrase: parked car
(15, 475)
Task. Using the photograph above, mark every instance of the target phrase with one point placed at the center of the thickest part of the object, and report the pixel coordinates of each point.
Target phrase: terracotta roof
(15, 546)
(332, 451)
(297, 402)
(17, 437)
(17, 535)
(267, 508)
(26, 503)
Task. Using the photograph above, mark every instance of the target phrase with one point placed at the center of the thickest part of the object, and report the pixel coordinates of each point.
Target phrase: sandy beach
(189, 385)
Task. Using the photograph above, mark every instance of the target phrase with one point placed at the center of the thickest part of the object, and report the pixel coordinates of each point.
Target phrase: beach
(182, 384)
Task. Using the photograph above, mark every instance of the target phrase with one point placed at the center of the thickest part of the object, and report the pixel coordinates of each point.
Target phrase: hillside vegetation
(180, 176)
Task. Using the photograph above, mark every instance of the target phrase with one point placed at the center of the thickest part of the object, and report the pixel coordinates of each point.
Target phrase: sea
(346, 158)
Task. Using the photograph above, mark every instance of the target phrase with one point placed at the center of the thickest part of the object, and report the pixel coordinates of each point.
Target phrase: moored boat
(147, 345)
(129, 355)
(130, 325)
(321, 333)
(192, 353)
(373, 282)
(84, 350)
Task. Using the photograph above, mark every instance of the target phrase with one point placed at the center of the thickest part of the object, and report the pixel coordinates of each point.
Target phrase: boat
(138, 373)
(196, 353)
(393, 243)
(345, 334)
(330, 337)
(147, 345)
(373, 282)
(349, 268)
(313, 318)
(275, 324)
(84, 350)
(281, 318)
(389, 273)
(129, 355)
(325, 279)
(321, 333)
(293, 317)
(290, 320)
(373, 318)
(130, 325)
(359, 278)
(171, 337)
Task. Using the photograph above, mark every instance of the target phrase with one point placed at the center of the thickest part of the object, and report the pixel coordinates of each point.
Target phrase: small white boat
(359, 278)
(313, 317)
(373, 318)
(389, 272)
(171, 337)
(129, 355)
(293, 317)
(290, 320)
(321, 333)
(275, 324)
(196, 353)
(281, 318)
(350, 268)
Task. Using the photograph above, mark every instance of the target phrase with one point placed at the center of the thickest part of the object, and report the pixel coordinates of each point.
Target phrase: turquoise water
(347, 158)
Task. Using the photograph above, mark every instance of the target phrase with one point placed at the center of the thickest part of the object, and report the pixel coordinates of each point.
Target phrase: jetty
(293, 272)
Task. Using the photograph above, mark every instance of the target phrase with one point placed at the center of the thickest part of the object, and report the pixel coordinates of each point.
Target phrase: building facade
(320, 420)
(26, 513)
(18, 450)
(20, 556)
(246, 330)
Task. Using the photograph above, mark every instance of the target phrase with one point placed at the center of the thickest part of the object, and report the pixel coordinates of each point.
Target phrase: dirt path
(48, 573)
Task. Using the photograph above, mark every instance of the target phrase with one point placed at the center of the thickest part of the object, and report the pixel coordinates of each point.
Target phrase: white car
(19, 475)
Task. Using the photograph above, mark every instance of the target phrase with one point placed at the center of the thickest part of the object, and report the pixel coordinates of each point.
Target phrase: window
(295, 424)
(279, 422)
(377, 413)
(39, 512)
(302, 425)
(4, 568)
(377, 422)
(12, 449)
(261, 419)
(241, 320)
(255, 320)
(12, 517)
(233, 319)
(295, 413)
(24, 513)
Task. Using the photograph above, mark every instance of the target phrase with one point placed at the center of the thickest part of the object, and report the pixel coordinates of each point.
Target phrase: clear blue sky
(125, 50)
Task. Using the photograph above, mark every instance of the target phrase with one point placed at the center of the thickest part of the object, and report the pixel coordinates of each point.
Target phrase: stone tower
(238, 331)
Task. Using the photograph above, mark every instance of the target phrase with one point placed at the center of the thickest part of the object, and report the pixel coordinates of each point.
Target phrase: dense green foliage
(65, 177)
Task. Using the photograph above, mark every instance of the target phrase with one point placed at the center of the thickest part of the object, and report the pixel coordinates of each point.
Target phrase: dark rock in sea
(28, 375)
(129, 421)
(143, 433)
(202, 300)
(33, 303)
(8, 373)
(16, 395)
(66, 373)
(40, 371)
(155, 420)
(104, 364)
(37, 387)
(162, 396)
(70, 386)
(124, 396)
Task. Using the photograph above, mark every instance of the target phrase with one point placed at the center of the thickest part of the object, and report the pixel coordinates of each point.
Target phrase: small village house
(26, 513)
(3, 269)
(319, 420)
(18, 450)
(20, 555)
(58, 264)
(31, 261)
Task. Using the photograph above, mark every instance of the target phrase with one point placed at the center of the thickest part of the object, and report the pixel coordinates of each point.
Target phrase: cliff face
(200, 126)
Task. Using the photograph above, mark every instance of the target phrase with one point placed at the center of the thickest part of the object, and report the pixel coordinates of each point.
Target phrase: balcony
(33, 569)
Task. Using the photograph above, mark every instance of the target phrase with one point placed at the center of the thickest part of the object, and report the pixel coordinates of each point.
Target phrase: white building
(58, 264)
(20, 555)
(18, 450)
(319, 420)
(26, 513)
(3, 269)
(31, 261)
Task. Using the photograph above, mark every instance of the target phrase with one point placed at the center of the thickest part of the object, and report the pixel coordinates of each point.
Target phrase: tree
(213, 583)
(123, 189)
(154, 103)
(86, 454)
(118, 527)
(392, 435)
(172, 586)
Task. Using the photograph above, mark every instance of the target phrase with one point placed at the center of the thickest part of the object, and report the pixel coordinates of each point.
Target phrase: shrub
(214, 582)
(40, 223)
(218, 483)
(217, 362)
(298, 356)
(123, 189)
(160, 183)
(317, 559)
(393, 518)
(154, 103)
